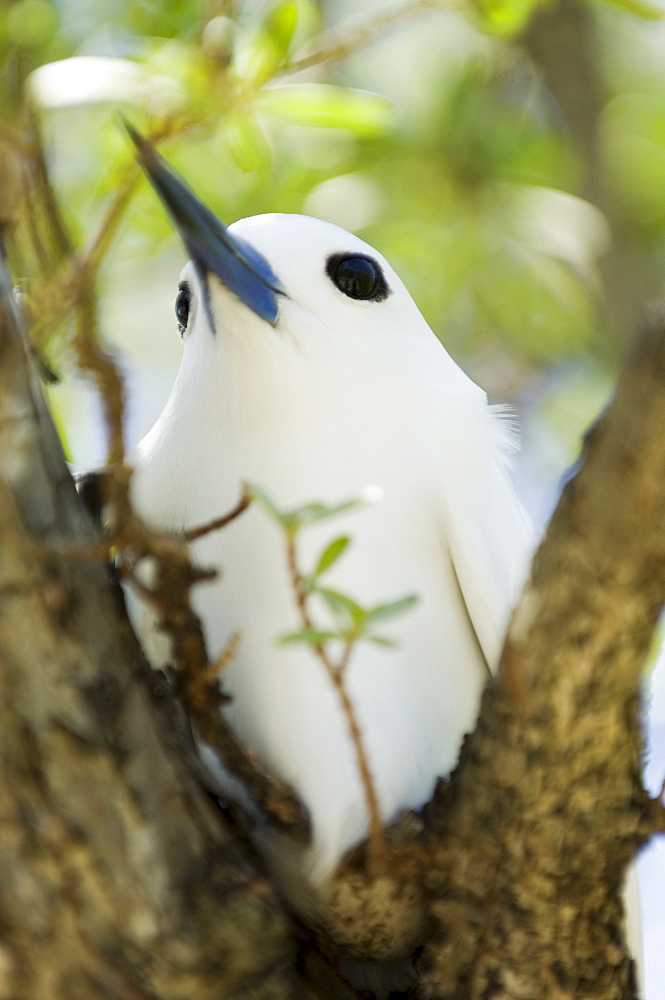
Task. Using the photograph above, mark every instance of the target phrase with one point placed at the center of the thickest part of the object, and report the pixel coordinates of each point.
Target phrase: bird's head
(285, 315)
(289, 272)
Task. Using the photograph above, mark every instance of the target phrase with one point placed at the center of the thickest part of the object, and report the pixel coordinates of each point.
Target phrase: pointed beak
(240, 268)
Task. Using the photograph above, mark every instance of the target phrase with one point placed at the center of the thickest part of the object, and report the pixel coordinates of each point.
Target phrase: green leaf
(280, 26)
(247, 143)
(348, 612)
(255, 60)
(309, 636)
(504, 17)
(262, 498)
(292, 520)
(382, 612)
(263, 48)
(331, 554)
(381, 640)
(330, 107)
(311, 512)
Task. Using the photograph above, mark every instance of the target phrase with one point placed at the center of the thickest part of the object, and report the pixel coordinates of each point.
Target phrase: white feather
(341, 394)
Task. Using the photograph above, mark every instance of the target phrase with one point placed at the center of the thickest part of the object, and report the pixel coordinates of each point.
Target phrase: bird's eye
(182, 303)
(357, 276)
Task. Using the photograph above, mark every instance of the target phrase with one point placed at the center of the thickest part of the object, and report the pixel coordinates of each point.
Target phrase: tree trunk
(118, 877)
(120, 880)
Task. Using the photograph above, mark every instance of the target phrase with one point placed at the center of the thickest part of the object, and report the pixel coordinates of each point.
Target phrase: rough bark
(546, 807)
(120, 881)
(118, 877)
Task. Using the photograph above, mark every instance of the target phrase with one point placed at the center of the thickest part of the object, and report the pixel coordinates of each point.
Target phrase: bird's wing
(490, 541)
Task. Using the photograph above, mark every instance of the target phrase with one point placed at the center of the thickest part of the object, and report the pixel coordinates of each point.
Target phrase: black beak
(241, 268)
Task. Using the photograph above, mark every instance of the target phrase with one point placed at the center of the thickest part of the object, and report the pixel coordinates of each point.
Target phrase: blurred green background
(507, 156)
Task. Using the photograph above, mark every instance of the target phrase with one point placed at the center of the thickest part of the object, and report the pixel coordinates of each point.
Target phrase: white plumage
(309, 372)
(339, 394)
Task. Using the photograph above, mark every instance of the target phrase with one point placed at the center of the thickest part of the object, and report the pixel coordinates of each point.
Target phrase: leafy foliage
(351, 622)
(449, 142)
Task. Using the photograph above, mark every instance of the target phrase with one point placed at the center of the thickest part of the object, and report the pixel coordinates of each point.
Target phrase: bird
(308, 370)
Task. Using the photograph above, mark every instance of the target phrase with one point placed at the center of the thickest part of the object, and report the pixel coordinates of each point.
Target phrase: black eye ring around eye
(182, 305)
(357, 276)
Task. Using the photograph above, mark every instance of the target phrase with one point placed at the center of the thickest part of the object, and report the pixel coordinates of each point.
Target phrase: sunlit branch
(333, 46)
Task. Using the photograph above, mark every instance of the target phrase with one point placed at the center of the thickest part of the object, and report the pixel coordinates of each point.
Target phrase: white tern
(308, 370)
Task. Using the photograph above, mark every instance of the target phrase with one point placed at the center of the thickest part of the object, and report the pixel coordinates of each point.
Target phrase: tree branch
(332, 47)
(546, 807)
(122, 881)
(119, 879)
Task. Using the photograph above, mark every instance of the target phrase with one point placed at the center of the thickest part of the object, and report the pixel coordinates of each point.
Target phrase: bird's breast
(414, 701)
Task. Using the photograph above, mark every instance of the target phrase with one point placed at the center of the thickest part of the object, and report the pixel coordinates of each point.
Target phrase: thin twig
(29, 199)
(376, 855)
(112, 217)
(219, 665)
(91, 358)
(198, 684)
(74, 287)
(44, 187)
(126, 185)
(197, 678)
(338, 48)
(124, 190)
(218, 522)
